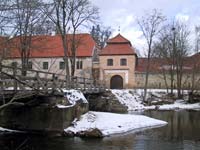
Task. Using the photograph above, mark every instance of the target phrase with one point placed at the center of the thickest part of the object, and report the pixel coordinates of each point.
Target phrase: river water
(181, 133)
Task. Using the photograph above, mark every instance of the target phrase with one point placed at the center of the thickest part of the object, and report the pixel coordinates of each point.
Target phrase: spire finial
(119, 29)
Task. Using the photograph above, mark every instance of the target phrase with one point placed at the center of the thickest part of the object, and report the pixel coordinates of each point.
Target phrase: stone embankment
(106, 102)
(42, 114)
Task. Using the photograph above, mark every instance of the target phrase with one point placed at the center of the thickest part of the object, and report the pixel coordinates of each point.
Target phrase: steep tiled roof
(118, 46)
(155, 64)
(51, 46)
(119, 39)
(158, 64)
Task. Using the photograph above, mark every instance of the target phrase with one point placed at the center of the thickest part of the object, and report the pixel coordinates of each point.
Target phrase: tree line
(170, 40)
(26, 18)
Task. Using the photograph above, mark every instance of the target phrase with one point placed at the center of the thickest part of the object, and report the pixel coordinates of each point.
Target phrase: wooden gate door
(116, 82)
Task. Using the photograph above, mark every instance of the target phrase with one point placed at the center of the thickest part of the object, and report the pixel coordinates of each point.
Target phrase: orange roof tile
(158, 64)
(119, 39)
(51, 46)
(118, 46)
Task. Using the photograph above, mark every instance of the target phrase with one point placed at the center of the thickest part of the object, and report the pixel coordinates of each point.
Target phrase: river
(181, 133)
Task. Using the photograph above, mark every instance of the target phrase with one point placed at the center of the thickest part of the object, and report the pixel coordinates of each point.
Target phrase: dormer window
(109, 62)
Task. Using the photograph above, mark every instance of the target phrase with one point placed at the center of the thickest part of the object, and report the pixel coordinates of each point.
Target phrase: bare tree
(24, 16)
(164, 48)
(150, 25)
(100, 34)
(45, 27)
(173, 46)
(82, 13)
(5, 26)
(195, 61)
(58, 12)
(181, 47)
(70, 15)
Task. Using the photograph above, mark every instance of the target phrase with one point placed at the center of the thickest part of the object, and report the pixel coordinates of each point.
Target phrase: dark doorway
(116, 82)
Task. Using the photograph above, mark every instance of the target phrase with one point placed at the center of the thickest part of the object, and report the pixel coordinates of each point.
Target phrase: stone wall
(43, 117)
(106, 102)
(156, 80)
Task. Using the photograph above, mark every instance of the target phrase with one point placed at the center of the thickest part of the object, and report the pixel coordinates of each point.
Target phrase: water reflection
(182, 125)
(182, 132)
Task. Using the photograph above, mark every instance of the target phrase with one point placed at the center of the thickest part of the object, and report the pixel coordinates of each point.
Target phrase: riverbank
(133, 100)
(100, 124)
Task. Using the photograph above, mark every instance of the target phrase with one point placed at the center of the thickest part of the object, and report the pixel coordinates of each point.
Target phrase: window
(30, 65)
(45, 65)
(62, 65)
(123, 62)
(109, 62)
(79, 64)
(14, 64)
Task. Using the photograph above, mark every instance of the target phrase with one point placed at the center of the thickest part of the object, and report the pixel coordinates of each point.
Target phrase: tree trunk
(65, 47)
(147, 73)
(73, 57)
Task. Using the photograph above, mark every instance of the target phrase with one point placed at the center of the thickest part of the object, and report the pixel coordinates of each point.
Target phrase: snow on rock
(73, 96)
(129, 99)
(110, 123)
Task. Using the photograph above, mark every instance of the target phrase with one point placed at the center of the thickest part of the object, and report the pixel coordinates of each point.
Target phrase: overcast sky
(123, 13)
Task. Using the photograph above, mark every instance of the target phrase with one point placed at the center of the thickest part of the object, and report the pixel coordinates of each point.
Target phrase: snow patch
(129, 99)
(110, 123)
(133, 100)
(8, 130)
(73, 96)
(179, 104)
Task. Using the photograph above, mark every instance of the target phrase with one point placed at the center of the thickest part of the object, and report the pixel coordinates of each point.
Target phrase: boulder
(43, 117)
(106, 102)
(90, 133)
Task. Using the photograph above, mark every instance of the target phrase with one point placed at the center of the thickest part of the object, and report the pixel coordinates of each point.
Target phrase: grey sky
(123, 13)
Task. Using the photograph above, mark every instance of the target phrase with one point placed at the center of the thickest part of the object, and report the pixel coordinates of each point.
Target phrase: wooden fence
(11, 79)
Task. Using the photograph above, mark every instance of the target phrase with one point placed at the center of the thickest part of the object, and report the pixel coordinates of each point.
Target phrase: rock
(41, 117)
(106, 102)
(90, 133)
(194, 97)
(68, 133)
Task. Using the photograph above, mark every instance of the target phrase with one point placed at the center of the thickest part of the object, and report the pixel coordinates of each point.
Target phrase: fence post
(37, 82)
(67, 82)
(91, 85)
(76, 82)
(54, 86)
(1, 84)
(84, 82)
(15, 75)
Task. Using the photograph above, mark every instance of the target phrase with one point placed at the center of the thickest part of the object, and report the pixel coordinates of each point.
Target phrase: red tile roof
(118, 46)
(51, 46)
(155, 64)
(158, 64)
(119, 39)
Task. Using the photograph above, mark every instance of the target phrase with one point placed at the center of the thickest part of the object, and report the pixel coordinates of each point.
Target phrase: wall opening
(116, 82)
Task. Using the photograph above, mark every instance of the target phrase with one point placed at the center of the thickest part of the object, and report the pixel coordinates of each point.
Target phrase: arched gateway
(116, 82)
